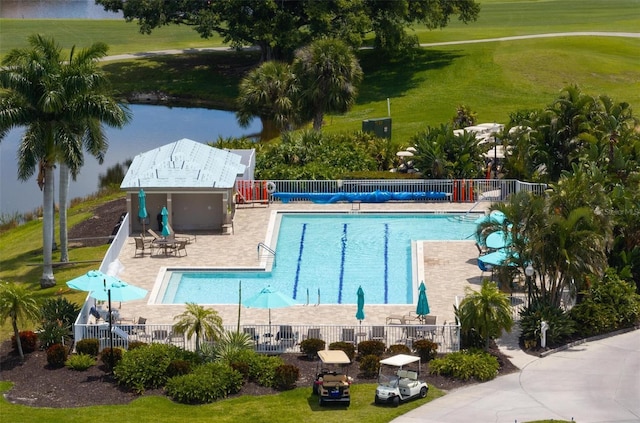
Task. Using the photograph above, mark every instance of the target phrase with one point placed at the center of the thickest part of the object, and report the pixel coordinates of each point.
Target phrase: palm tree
(20, 305)
(329, 75)
(485, 313)
(57, 101)
(199, 321)
(269, 92)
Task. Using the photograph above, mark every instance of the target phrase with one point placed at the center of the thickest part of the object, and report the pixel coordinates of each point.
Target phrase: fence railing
(278, 339)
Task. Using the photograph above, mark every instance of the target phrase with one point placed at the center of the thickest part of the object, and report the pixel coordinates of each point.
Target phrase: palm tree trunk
(47, 279)
(317, 121)
(64, 204)
(16, 333)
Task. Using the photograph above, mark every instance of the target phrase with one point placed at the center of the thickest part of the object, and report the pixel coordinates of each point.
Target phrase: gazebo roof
(183, 164)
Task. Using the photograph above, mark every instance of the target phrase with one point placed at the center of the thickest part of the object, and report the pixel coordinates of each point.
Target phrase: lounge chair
(349, 335)
(378, 334)
(175, 338)
(313, 333)
(159, 335)
(251, 331)
(177, 236)
(139, 330)
(286, 337)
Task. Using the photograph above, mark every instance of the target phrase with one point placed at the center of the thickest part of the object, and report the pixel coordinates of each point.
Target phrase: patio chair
(485, 268)
(286, 337)
(178, 247)
(159, 335)
(348, 335)
(139, 330)
(411, 334)
(313, 333)
(251, 331)
(140, 247)
(378, 334)
(175, 338)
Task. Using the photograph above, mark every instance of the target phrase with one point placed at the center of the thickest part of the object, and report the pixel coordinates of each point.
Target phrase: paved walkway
(594, 382)
(449, 267)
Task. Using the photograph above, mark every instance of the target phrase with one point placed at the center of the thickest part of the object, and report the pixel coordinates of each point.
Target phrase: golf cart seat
(407, 379)
(330, 380)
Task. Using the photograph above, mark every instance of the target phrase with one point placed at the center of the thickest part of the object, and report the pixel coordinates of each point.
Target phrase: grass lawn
(297, 405)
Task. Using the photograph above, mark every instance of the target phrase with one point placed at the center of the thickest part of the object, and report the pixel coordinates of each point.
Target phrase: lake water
(151, 126)
(54, 9)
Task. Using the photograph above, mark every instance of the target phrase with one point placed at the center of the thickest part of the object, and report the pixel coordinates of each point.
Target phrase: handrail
(265, 247)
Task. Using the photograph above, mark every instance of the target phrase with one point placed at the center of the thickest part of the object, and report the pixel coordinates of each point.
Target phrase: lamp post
(528, 271)
(110, 329)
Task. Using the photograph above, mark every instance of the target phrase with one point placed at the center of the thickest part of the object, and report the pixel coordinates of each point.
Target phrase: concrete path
(594, 382)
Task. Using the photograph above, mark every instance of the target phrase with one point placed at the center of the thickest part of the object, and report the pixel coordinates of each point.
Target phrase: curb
(582, 341)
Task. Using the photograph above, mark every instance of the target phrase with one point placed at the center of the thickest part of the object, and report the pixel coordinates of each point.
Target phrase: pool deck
(449, 267)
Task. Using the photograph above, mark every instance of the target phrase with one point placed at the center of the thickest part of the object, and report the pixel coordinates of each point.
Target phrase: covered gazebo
(194, 181)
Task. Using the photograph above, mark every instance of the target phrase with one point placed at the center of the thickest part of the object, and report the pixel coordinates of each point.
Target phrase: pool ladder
(266, 248)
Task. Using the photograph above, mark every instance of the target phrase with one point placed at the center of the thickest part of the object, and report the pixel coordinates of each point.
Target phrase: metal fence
(278, 339)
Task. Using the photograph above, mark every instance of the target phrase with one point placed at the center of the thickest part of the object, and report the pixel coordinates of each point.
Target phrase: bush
(52, 332)
(348, 348)
(80, 362)
(465, 365)
(561, 326)
(28, 340)
(398, 349)
(593, 318)
(426, 349)
(371, 348)
(263, 369)
(178, 368)
(105, 356)
(311, 346)
(285, 377)
(88, 346)
(146, 367)
(60, 310)
(370, 365)
(136, 344)
(241, 361)
(56, 355)
(209, 382)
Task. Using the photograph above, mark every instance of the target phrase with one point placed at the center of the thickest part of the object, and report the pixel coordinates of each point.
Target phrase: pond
(151, 126)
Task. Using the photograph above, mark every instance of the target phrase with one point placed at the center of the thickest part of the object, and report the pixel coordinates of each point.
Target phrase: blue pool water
(331, 255)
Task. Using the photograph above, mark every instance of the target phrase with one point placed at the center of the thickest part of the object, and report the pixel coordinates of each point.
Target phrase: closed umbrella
(360, 312)
(498, 239)
(165, 222)
(422, 308)
(142, 208)
(269, 298)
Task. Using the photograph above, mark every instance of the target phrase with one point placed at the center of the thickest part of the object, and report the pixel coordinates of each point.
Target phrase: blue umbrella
(142, 208)
(498, 257)
(495, 216)
(165, 222)
(98, 284)
(269, 298)
(422, 309)
(498, 239)
(360, 312)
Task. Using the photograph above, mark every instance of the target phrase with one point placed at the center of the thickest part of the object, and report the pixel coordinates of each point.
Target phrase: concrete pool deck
(449, 267)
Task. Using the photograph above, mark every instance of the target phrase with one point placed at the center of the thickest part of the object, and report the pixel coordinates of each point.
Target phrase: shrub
(207, 383)
(61, 310)
(263, 369)
(465, 365)
(136, 344)
(80, 362)
(285, 377)
(593, 318)
(561, 326)
(105, 356)
(371, 348)
(28, 340)
(52, 332)
(348, 348)
(88, 346)
(426, 349)
(56, 355)
(370, 365)
(146, 367)
(398, 349)
(311, 346)
(178, 368)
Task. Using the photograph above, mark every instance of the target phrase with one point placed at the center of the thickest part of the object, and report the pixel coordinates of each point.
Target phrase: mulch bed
(38, 385)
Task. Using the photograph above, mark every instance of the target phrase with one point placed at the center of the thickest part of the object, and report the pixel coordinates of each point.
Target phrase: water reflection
(151, 126)
(54, 9)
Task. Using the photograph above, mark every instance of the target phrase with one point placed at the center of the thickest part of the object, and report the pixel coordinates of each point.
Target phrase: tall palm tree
(269, 92)
(18, 304)
(54, 100)
(486, 312)
(329, 75)
(199, 321)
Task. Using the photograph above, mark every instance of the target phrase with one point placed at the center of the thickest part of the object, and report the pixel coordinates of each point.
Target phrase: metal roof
(183, 164)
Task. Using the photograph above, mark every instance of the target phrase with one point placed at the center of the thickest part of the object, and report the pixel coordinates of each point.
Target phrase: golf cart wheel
(395, 401)
(376, 400)
(315, 389)
(320, 402)
(423, 392)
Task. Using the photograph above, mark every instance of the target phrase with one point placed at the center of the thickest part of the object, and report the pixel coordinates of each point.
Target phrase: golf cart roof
(333, 357)
(400, 360)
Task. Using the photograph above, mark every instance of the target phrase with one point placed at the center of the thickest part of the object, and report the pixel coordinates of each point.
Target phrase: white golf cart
(398, 380)
(332, 383)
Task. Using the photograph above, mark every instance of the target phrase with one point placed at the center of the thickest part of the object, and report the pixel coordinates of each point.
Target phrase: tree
(279, 27)
(485, 313)
(199, 321)
(329, 75)
(269, 92)
(58, 101)
(18, 304)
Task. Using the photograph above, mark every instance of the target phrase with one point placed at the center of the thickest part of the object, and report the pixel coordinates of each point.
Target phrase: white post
(544, 326)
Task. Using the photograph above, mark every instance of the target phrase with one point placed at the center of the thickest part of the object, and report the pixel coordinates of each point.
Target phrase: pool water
(325, 257)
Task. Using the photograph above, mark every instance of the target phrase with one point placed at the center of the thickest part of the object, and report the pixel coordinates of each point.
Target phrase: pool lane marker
(386, 263)
(343, 253)
(295, 284)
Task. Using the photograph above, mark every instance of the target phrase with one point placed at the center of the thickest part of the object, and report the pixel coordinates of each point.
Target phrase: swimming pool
(325, 257)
